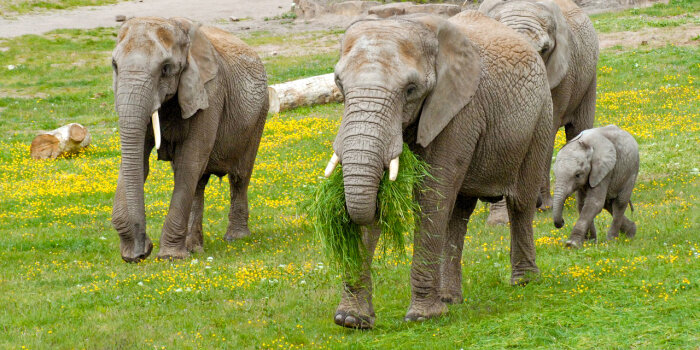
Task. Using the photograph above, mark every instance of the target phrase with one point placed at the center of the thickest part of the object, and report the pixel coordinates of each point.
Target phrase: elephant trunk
(362, 172)
(366, 150)
(560, 195)
(133, 105)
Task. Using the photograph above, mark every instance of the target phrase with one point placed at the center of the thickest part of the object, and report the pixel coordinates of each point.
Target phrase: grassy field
(64, 285)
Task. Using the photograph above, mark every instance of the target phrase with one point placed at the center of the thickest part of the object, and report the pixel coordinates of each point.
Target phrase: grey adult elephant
(565, 38)
(469, 96)
(209, 90)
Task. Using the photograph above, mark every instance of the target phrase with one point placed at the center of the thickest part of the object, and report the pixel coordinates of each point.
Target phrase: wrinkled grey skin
(470, 97)
(565, 38)
(601, 165)
(210, 91)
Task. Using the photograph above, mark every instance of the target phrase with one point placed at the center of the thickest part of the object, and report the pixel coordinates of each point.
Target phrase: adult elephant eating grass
(470, 96)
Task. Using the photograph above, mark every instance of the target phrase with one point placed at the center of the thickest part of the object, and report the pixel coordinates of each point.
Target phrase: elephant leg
(195, 240)
(592, 234)
(583, 116)
(522, 203)
(436, 205)
(355, 309)
(545, 190)
(628, 227)
(595, 200)
(451, 269)
(620, 222)
(522, 241)
(190, 160)
(498, 213)
(238, 215)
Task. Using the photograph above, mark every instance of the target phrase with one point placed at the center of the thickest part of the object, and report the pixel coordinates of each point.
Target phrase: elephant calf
(601, 165)
(208, 91)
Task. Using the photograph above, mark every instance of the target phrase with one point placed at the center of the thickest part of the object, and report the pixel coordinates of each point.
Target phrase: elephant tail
(631, 206)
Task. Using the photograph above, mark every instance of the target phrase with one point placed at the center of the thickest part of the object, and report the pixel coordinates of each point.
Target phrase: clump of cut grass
(398, 214)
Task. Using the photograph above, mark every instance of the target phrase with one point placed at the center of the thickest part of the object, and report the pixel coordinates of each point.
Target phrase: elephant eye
(410, 90)
(114, 64)
(544, 50)
(578, 175)
(167, 70)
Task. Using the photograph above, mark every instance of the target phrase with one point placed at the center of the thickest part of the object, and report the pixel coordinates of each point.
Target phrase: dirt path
(206, 11)
(653, 37)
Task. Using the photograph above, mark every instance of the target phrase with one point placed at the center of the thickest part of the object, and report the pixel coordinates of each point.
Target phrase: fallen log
(315, 90)
(68, 139)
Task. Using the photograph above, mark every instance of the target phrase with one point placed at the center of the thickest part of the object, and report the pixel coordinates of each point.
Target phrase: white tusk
(156, 128)
(332, 164)
(393, 169)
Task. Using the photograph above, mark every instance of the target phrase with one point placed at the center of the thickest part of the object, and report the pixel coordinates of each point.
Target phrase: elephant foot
(355, 311)
(451, 297)
(194, 245)
(573, 243)
(575, 240)
(349, 319)
(131, 254)
(612, 236)
(630, 229)
(421, 311)
(234, 234)
(497, 216)
(166, 253)
(521, 277)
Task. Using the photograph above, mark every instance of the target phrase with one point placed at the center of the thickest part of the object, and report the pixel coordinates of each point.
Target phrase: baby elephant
(602, 165)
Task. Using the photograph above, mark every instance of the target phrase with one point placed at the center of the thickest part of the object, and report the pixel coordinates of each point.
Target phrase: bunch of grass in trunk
(398, 215)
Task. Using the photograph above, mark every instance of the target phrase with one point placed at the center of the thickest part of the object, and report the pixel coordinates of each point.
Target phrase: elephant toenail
(350, 321)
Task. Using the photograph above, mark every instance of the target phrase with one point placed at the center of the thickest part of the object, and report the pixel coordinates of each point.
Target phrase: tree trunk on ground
(316, 90)
(68, 139)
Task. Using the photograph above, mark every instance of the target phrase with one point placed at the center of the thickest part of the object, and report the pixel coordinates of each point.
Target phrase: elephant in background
(601, 165)
(470, 97)
(565, 38)
(208, 91)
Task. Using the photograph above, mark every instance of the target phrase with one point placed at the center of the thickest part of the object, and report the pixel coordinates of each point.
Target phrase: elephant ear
(201, 68)
(603, 158)
(558, 61)
(458, 72)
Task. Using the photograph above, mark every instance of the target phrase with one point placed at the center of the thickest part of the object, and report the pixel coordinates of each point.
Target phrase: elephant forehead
(376, 55)
(142, 35)
(381, 39)
(570, 160)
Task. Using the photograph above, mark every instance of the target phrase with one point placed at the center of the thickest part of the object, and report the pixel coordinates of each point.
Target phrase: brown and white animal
(565, 38)
(207, 92)
(470, 96)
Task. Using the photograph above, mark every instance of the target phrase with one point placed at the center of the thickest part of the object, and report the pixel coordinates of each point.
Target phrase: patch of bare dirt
(205, 11)
(301, 45)
(685, 35)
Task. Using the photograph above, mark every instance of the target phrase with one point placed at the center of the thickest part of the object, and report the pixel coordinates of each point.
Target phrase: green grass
(63, 284)
(676, 13)
(397, 216)
(20, 7)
